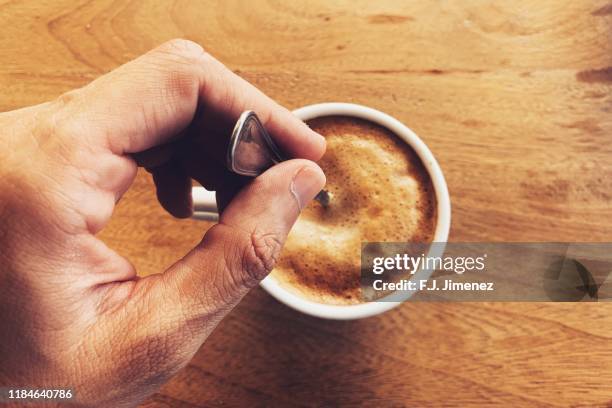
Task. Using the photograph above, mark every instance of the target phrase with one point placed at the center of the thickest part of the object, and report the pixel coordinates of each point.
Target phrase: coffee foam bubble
(381, 192)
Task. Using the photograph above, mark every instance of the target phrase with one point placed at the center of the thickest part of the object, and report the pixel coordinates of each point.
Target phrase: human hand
(73, 313)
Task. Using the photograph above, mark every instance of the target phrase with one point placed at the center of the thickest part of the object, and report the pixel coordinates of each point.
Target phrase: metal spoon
(252, 151)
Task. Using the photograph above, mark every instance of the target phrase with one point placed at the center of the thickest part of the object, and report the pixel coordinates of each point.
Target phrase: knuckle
(65, 119)
(65, 126)
(260, 256)
(243, 259)
(67, 99)
(179, 84)
(186, 50)
(182, 62)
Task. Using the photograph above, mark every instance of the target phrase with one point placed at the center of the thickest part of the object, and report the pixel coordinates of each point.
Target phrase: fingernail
(319, 136)
(320, 139)
(306, 184)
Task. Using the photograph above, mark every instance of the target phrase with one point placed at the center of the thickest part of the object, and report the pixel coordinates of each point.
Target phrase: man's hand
(73, 313)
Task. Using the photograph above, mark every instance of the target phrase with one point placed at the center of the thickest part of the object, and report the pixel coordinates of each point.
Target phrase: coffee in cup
(380, 190)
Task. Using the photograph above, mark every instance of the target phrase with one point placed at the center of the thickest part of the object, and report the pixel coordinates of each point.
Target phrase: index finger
(149, 100)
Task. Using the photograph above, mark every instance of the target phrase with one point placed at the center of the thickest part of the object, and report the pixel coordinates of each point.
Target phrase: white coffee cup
(205, 208)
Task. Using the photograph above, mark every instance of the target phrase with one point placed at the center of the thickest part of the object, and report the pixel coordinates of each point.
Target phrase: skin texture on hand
(73, 313)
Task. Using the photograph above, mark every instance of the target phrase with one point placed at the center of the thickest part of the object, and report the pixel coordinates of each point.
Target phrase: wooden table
(514, 99)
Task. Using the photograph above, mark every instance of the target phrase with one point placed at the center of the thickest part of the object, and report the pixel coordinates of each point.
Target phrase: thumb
(168, 316)
(243, 247)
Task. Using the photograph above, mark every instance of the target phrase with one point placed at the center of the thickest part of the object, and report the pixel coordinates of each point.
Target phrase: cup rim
(362, 310)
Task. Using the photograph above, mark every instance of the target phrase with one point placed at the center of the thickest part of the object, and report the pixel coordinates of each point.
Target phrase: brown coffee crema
(381, 192)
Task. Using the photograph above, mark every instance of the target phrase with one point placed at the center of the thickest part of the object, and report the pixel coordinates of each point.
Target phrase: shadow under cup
(442, 224)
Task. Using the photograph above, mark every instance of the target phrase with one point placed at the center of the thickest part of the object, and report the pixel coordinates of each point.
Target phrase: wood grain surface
(513, 98)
